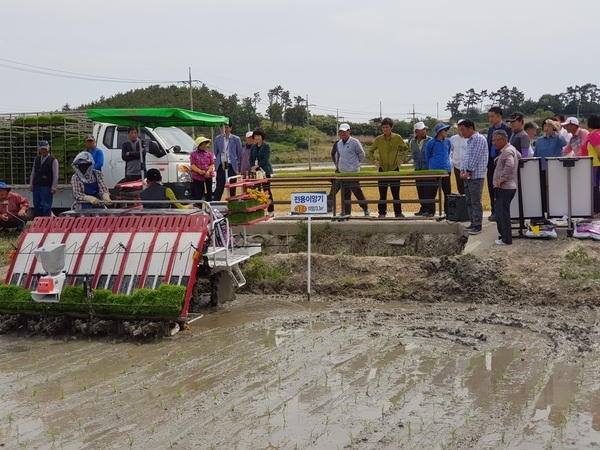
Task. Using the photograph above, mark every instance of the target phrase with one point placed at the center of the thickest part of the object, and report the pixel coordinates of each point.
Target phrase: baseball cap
(419, 126)
(249, 134)
(43, 144)
(153, 175)
(516, 116)
(90, 138)
(571, 120)
(3, 185)
(344, 127)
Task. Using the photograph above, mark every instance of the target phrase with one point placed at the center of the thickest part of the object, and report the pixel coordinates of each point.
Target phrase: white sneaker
(500, 242)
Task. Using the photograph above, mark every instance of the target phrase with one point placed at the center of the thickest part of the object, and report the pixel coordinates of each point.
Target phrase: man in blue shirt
(228, 156)
(495, 116)
(90, 143)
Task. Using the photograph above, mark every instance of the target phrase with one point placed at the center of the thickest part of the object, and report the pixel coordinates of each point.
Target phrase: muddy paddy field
(480, 348)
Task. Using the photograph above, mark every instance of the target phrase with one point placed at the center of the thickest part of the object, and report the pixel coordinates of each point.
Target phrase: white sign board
(579, 173)
(531, 190)
(309, 203)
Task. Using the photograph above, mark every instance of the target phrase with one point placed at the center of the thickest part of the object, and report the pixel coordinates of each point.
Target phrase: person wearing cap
(505, 182)
(132, 152)
(228, 153)
(459, 148)
(13, 209)
(43, 181)
(155, 192)
(88, 183)
(387, 153)
(350, 154)
(519, 139)
(335, 184)
(578, 136)
(549, 145)
(97, 154)
(245, 160)
(202, 163)
(473, 170)
(417, 147)
(495, 118)
(437, 155)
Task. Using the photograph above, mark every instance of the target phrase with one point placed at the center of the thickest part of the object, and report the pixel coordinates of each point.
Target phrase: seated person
(88, 183)
(13, 209)
(156, 191)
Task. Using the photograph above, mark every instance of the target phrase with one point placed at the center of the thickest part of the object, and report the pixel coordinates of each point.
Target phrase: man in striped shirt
(474, 166)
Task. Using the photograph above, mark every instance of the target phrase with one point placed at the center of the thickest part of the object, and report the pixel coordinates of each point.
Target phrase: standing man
(132, 152)
(43, 181)
(578, 136)
(228, 155)
(417, 147)
(437, 155)
(350, 154)
(531, 129)
(90, 143)
(391, 153)
(505, 182)
(459, 148)
(519, 139)
(472, 172)
(495, 116)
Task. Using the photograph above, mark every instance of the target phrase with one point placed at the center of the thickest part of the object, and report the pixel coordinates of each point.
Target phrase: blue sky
(350, 57)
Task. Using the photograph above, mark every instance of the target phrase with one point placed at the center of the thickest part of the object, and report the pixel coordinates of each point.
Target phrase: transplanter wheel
(221, 288)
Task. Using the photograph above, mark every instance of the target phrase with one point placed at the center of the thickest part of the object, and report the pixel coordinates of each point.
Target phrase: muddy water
(273, 373)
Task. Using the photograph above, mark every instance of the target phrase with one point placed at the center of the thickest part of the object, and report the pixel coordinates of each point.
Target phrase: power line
(73, 75)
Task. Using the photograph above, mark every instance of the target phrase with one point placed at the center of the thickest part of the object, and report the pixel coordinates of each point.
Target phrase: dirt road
(493, 349)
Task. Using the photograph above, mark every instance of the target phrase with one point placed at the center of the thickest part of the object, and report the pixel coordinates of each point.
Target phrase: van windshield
(174, 136)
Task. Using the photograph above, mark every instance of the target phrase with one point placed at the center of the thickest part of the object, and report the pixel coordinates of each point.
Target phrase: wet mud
(278, 372)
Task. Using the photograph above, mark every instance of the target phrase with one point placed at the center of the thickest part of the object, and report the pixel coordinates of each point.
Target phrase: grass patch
(580, 266)
(256, 269)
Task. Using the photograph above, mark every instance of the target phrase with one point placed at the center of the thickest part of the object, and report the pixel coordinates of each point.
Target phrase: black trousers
(221, 181)
(491, 168)
(503, 199)
(460, 183)
(202, 190)
(433, 192)
(353, 187)
(394, 186)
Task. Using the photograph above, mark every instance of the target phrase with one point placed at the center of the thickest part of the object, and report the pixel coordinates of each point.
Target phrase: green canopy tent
(156, 117)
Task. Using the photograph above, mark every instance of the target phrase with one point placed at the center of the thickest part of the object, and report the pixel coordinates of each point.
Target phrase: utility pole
(308, 134)
(380, 113)
(413, 113)
(190, 82)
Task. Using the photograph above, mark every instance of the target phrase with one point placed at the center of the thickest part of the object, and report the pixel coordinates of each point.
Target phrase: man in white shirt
(459, 148)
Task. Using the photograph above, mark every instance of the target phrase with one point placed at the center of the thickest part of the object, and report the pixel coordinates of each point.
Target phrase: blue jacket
(548, 147)
(437, 155)
(98, 156)
(234, 149)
